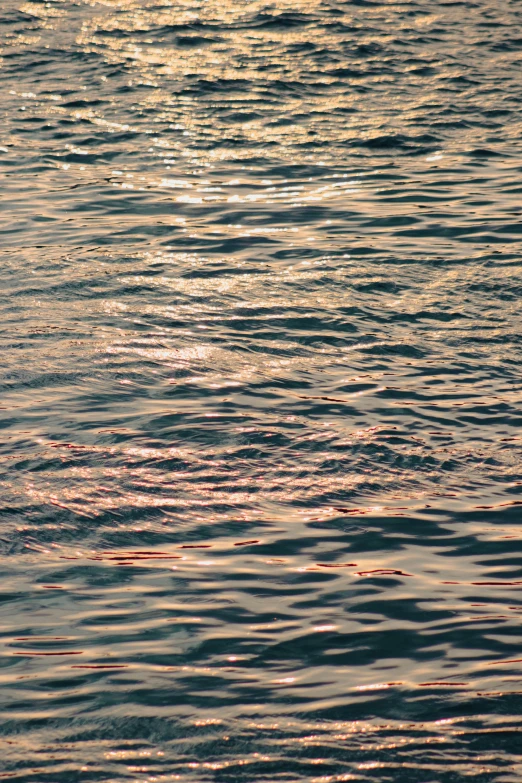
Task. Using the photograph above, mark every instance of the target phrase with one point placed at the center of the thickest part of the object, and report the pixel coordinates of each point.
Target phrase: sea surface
(261, 391)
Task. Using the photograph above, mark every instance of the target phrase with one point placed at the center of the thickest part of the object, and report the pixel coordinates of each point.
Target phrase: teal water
(260, 464)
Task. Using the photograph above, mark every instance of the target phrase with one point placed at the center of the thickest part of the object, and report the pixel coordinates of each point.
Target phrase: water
(261, 395)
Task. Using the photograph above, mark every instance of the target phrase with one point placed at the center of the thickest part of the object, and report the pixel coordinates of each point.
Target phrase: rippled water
(261, 400)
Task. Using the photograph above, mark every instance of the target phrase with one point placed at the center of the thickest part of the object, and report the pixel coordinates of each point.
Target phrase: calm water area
(261, 392)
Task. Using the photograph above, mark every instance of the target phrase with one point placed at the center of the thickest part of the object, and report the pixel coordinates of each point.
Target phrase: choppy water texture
(261, 401)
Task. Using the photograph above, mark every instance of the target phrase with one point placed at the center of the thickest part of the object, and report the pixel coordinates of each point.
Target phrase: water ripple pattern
(260, 451)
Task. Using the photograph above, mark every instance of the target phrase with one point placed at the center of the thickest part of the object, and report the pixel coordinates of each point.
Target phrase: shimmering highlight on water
(261, 344)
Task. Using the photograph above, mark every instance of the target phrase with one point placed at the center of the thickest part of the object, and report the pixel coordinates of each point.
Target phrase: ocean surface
(261, 392)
